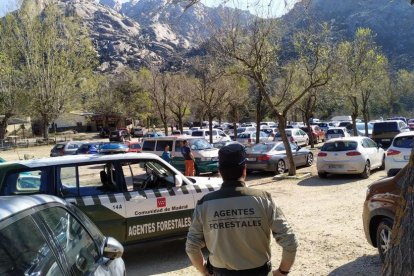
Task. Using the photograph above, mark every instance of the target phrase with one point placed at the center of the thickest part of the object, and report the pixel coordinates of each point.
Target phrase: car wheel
(383, 163)
(367, 170)
(280, 167)
(309, 159)
(322, 174)
(383, 237)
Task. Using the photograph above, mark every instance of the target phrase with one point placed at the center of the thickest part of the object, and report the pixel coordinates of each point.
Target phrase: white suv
(399, 152)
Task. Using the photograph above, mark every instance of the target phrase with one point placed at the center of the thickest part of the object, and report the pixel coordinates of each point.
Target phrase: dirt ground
(326, 215)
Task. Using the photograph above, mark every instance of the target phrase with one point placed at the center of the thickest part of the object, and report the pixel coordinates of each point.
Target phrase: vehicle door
(157, 204)
(178, 159)
(297, 155)
(379, 152)
(96, 189)
(370, 151)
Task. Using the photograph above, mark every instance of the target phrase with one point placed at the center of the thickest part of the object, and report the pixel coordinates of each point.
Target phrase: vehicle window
(198, 133)
(262, 147)
(59, 146)
(78, 246)
(144, 174)
(24, 250)
(280, 147)
(262, 134)
(73, 146)
(403, 142)
(199, 144)
(335, 131)
(241, 129)
(138, 146)
(162, 143)
(340, 146)
(371, 143)
(87, 180)
(365, 143)
(28, 182)
(148, 146)
(381, 127)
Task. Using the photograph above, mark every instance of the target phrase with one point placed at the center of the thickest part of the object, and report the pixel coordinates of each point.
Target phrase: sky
(274, 8)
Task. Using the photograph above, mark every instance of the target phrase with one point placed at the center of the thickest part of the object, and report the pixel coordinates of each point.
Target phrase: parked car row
(81, 147)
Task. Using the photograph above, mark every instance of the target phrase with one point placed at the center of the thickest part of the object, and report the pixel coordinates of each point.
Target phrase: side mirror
(113, 249)
(178, 180)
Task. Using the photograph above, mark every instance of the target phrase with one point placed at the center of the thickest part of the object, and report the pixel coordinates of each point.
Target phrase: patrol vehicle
(131, 197)
(206, 156)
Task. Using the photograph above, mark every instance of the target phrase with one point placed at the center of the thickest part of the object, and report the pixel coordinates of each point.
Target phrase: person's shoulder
(231, 192)
(256, 193)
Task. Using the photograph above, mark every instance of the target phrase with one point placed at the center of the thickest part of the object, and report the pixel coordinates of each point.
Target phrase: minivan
(384, 132)
(206, 156)
(218, 135)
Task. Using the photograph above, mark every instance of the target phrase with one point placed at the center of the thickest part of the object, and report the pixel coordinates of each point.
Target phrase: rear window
(162, 143)
(335, 131)
(288, 133)
(403, 142)
(323, 124)
(340, 146)
(385, 127)
(59, 146)
(244, 135)
(197, 133)
(148, 145)
(262, 147)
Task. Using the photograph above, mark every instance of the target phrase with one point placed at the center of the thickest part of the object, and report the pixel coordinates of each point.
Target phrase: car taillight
(353, 153)
(392, 152)
(322, 154)
(264, 157)
(249, 140)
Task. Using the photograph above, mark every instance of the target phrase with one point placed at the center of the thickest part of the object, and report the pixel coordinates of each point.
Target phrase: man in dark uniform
(235, 224)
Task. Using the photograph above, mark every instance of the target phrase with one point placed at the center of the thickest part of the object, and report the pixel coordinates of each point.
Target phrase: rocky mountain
(392, 22)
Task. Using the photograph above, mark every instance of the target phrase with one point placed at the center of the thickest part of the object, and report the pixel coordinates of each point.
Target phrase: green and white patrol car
(131, 197)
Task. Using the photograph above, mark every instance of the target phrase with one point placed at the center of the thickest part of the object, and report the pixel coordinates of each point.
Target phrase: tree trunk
(235, 130)
(365, 122)
(310, 133)
(258, 115)
(210, 127)
(165, 127)
(3, 126)
(354, 128)
(286, 143)
(45, 123)
(180, 123)
(400, 258)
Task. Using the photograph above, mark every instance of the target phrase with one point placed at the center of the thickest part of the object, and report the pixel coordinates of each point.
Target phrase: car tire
(383, 163)
(309, 159)
(322, 174)
(280, 167)
(383, 237)
(367, 170)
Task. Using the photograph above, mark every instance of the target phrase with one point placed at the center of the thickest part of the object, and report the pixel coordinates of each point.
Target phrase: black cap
(232, 155)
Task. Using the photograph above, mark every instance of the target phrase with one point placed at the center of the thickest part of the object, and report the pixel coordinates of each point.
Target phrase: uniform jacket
(235, 224)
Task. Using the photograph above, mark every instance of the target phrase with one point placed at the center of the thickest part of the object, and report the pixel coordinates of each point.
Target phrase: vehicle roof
(389, 121)
(14, 204)
(353, 138)
(407, 133)
(70, 159)
(343, 128)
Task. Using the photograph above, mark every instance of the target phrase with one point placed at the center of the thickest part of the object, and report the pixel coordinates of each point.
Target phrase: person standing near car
(235, 223)
(188, 158)
(166, 155)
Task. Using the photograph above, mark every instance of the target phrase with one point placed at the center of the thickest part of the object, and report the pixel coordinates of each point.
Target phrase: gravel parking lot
(325, 213)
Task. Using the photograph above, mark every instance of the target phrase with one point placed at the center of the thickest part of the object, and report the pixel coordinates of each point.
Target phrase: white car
(336, 132)
(248, 138)
(350, 155)
(399, 152)
(218, 135)
(295, 136)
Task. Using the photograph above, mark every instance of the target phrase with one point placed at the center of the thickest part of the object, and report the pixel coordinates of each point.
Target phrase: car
(104, 132)
(111, 148)
(206, 157)
(350, 155)
(134, 147)
(360, 129)
(218, 135)
(316, 133)
(324, 126)
(133, 197)
(269, 124)
(271, 156)
(398, 118)
(153, 134)
(44, 235)
(89, 148)
(399, 152)
(65, 148)
(336, 132)
(240, 130)
(295, 135)
(137, 132)
(119, 136)
(248, 124)
(411, 124)
(345, 124)
(176, 132)
(384, 132)
(248, 138)
(379, 211)
(219, 145)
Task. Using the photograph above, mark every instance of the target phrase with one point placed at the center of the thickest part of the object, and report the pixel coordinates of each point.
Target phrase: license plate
(251, 159)
(336, 166)
(406, 157)
(386, 140)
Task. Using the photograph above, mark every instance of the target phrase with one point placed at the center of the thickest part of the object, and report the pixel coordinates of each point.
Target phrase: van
(218, 135)
(206, 156)
(384, 132)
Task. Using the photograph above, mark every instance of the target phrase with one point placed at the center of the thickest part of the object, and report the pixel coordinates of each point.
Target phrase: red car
(134, 147)
(317, 133)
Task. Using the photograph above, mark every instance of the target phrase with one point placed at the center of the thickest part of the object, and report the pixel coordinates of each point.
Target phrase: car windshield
(262, 147)
(385, 127)
(403, 142)
(335, 131)
(197, 133)
(199, 144)
(241, 129)
(340, 146)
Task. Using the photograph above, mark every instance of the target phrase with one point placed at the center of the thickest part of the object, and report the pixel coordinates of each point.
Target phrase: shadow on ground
(366, 265)
(158, 258)
(332, 179)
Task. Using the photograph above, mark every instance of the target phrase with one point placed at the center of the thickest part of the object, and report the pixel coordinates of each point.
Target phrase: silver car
(272, 157)
(248, 138)
(43, 235)
(65, 148)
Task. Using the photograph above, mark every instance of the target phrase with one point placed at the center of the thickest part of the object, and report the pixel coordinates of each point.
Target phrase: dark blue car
(89, 148)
